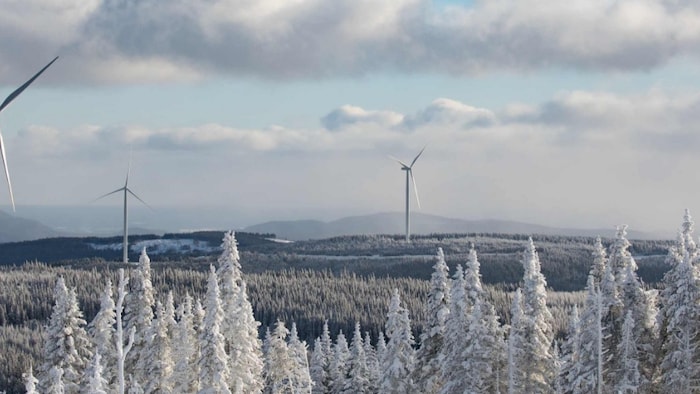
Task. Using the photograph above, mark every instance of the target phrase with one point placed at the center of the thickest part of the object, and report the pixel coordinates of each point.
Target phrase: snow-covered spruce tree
(213, 361)
(452, 370)
(600, 261)
(246, 360)
(298, 351)
(585, 373)
(570, 351)
(54, 383)
(399, 358)
(160, 358)
(372, 363)
(516, 339)
(381, 348)
(680, 339)
(358, 374)
(629, 379)
(427, 370)
(642, 306)
(102, 330)
(318, 359)
(339, 364)
(95, 381)
(66, 343)
(536, 324)
(139, 315)
(229, 274)
(611, 322)
(30, 381)
(321, 362)
(185, 371)
(279, 367)
(484, 354)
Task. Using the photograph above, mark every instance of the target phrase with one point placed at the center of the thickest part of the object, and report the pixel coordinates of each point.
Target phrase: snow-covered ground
(161, 246)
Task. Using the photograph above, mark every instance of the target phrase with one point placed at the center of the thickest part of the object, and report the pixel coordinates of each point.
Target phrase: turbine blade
(128, 171)
(139, 198)
(108, 194)
(398, 161)
(417, 156)
(7, 172)
(19, 90)
(415, 187)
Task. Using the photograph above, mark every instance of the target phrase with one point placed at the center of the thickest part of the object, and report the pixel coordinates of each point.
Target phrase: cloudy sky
(582, 113)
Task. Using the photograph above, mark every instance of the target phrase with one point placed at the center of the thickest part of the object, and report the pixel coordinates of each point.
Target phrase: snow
(160, 246)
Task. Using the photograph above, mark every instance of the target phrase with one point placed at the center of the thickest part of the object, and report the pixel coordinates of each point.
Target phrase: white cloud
(109, 41)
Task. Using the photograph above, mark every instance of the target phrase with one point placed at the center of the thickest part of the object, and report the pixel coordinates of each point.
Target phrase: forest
(406, 324)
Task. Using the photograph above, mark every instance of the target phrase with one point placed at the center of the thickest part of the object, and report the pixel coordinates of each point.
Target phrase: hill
(394, 223)
(15, 229)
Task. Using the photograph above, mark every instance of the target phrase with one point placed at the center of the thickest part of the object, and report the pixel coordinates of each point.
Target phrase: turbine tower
(126, 191)
(4, 104)
(409, 178)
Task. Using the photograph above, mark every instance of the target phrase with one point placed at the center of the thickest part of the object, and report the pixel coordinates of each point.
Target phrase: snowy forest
(622, 335)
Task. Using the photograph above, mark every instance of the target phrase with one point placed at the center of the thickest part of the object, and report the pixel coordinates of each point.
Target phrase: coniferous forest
(175, 329)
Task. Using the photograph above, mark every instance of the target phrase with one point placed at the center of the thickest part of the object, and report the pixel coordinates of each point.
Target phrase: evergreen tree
(600, 261)
(30, 382)
(160, 358)
(586, 369)
(139, 315)
(185, 371)
(279, 367)
(102, 331)
(340, 364)
(298, 352)
(358, 374)
(96, 383)
(120, 349)
(54, 383)
(372, 363)
(570, 351)
(399, 357)
(246, 359)
(66, 343)
(516, 344)
(213, 361)
(680, 337)
(452, 369)
(316, 368)
(629, 378)
(485, 351)
(536, 324)
(427, 371)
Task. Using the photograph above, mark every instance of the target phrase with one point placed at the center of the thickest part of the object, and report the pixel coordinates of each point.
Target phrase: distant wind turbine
(126, 191)
(409, 177)
(4, 104)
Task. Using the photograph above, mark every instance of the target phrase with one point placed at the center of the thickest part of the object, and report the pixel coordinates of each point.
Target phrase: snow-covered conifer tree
(680, 312)
(372, 363)
(629, 378)
(570, 351)
(95, 382)
(585, 371)
(399, 358)
(30, 381)
(427, 370)
(229, 274)
(358, 373)
(185, 371)
(298, 352)
(536, 323)
(160, 358)
(213, 361)
(600, 261)
(102, 330)
(316, 370)
(339, 364)
(66, 343)
(54, 383)
(246, 360)
(279, 367)
(456, 325)
(139, 315)
(484, 350)
(516, 345)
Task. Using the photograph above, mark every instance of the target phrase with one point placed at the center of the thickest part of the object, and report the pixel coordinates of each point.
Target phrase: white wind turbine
(409, 177)
(4, 104)
(126, 191)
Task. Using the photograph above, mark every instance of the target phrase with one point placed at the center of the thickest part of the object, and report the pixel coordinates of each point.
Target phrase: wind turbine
(4, 104)
(409, 177)
(126, 191)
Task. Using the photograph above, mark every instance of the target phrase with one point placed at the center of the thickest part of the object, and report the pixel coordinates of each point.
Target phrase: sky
(573, 114)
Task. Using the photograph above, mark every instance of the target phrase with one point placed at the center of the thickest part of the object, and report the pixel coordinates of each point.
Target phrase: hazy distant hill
(14, 229)
(394, 223)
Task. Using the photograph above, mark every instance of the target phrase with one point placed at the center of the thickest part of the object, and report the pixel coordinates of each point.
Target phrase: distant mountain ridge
(421, 223)
(15, 229)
